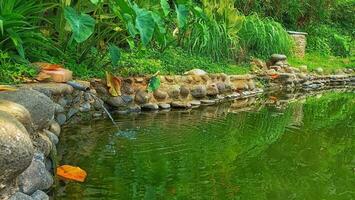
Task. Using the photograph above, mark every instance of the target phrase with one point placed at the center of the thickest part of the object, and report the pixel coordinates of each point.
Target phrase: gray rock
(212, 90)
(135, 108)
(40, 195)
(88, 96)
(197, 72)
(35, 177)
(72, 112)
(62, 102)
(55, 128)
(179, 104)
(195, 103)
(184, 91)
(20, 196)
(164, 106)
(42, 143)
(208, 102)
(199, 91)
(160, 95)
(52, 137)
(16, 148)
(221, 87)
(116, 102)
(141, 97)
(85, 107)
(19, 112)
(61, 118)
(127, 87)
(150, 106)
(98, 104)
(127, 99)
(278, 57)
(174, 92)
(39, 105)
(58, 108)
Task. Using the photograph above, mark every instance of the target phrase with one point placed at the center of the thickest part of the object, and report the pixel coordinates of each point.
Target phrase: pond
(252, 149)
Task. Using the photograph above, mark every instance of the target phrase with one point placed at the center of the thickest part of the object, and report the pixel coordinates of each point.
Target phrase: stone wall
(300, 43)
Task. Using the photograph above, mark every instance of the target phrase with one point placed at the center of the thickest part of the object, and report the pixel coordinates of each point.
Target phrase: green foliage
(172, 61)
(18, 19)
(82, 25)
(154, 84)
(13, 73)
(115, 54)
(330, 64)
(263, 37)
(327, 40)
(213, 31)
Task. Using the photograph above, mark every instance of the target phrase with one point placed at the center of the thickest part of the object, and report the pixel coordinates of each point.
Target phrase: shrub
(327, 40)
(263, 37)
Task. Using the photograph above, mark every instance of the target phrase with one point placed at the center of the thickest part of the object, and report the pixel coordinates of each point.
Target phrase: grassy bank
(330, 64)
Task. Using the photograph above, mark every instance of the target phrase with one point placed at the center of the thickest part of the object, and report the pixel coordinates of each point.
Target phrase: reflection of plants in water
(190, 156)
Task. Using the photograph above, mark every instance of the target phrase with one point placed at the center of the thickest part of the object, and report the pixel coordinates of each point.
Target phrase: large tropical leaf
(182, 13)
(82, 25)
(114, 54)
(159, 22)
(145, 24)
(154, 84)
(130, 24)
(165, 6)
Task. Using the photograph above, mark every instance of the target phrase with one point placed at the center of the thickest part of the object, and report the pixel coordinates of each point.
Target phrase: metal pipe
(78, 86)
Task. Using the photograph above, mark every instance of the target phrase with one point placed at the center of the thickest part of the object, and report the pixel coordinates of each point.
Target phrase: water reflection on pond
(252, 149)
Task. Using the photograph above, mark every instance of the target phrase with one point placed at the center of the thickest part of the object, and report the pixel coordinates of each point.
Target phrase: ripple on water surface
(304, 150)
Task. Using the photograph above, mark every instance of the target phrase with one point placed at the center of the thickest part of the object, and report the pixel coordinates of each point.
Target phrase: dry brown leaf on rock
(114, 84)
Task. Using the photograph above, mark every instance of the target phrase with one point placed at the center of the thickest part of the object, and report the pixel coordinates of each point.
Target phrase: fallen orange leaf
(7, 88)
(48, 66)
(114, 84)
(72, 173)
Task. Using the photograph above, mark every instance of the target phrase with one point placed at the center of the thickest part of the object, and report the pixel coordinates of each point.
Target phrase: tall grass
(262, 37)
(214, 30)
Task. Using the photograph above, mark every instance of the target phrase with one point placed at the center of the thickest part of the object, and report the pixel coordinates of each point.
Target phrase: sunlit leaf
(159, 22)
(182, 13)
(154, 84)
(115, 54)
(130, 25)
(145, 24)
(96, 1)
(165, 6)
(73, 173)
(2, 27)
(82, 25)
(114, 84)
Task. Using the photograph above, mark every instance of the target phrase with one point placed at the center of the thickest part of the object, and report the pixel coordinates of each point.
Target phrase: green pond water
(252, 149)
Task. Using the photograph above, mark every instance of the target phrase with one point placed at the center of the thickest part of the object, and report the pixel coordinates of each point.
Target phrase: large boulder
(16, 150)
(39, 105)
(35, 177)
(17, 111)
